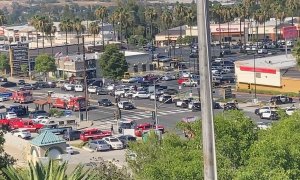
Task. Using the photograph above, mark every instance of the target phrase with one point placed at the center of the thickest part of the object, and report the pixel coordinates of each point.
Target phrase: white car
(141, 94)
(68, 87)
(40, 118)
(21, 133)
(114, 143)
(152, 97)
(193, 104)
(129, 93)
(129, 80)
(69, 150)
(269, 114)
(264, 109)
(111, 87)
(125, 105)
(168, 78)
(11, 115)
(121, 92)
(78, 88)
(3, 99)
(190, 82)
(92, 89)
(290, 110)
(263, 125)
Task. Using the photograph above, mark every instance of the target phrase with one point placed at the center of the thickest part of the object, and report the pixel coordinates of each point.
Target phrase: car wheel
(195, 85)
(19, 136)
(184, 85)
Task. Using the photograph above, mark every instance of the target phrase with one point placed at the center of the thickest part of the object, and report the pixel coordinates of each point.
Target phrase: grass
(80, 145)
(269, 92)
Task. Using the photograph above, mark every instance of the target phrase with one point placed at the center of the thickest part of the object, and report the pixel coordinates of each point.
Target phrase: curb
(87, 149)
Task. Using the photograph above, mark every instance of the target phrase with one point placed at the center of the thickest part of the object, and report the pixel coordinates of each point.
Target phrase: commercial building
(276, 73)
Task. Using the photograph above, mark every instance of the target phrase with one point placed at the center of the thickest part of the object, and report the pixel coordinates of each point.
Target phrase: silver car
(99, 145)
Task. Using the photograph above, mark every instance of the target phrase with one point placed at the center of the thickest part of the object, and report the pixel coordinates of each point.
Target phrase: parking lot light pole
(254, 71)
(155, 106)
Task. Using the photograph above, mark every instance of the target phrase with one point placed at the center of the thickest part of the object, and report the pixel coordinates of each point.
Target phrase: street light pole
(85, 79)
(208, 139)
(155, 106)
(254, 71)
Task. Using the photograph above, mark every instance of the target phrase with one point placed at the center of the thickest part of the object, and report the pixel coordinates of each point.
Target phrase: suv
(72, 135)
(190, 82)
(35, 114)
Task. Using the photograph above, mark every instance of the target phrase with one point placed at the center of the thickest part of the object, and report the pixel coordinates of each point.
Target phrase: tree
(180, 14)
(102, 14)
(94, 29)
(166, 19)
(292, 6)
(51, 171)
(24, 69)
(176, 158)
(34, 22)
(276, 154)
(190, 18)
(4, 64)
(113, 63)
(295, 52)
(2, 18)
(45, 64)
(151, 16)
(113, 20)
(66, 26)
(50, 30)
(41, 25)
(79, 28)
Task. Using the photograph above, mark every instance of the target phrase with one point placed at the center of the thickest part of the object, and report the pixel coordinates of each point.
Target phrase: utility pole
(208, 139)
(85, 80)
(155, 106)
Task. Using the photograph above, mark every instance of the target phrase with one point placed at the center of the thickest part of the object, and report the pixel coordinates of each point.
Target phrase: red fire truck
(22, 97)
(25, 124)
(69, 102)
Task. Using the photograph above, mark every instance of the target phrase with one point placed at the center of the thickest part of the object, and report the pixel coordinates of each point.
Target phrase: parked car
(68, 87)
(125, 105)
(281, 99)
(34, 114)
(78, 88)
(51, 84)
(170, 91)
(71, 135)
(21, 133)
(190, 82)
(230, 106)
(141, 94)
(69, 150)
(167, 99)
(40, 118)
(3, 98)
(128, 124)
(102, 91)
(92, 134)
(11, 115)
(114, 142)
(290, 110)
(92, 89)
(9, 84)
(194, 106)
(27, 87)
(21, 82)
(261, 110)
(104, 102)
(125, 139)
(99, 145)
(182, 103)
(269, 114)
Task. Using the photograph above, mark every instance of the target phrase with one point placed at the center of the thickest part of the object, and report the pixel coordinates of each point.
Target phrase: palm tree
(122, 15)
(167, 19)
(2, 18)
(34, 22)
(239, 11)
(66, 26)
(296, 52)
(50, 171)
(79, 28)
(262, 16)
(190, 18)
(113, 20)
(50, 30)
(94, 29)
(277, 8)
(41, 25)
(180, 13)
(102, 14)
(218, 11)
(228, 15)
(150, 16)
(292, 6)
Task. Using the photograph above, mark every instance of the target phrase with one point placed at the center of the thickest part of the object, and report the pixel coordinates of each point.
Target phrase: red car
(146, 127)
(25, 124)
(91, 134)
(182, 79)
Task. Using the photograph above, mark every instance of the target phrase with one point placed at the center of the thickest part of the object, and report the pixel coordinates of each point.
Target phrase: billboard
(18, 56)
(289, 32)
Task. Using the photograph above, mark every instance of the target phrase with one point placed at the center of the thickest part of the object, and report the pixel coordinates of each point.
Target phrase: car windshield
(105, 100)
(126, 103)
(101, 142)
(114, 140)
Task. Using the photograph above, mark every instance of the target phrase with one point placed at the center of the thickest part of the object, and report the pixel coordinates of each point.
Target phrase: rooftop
(47, 138)
(276, 62)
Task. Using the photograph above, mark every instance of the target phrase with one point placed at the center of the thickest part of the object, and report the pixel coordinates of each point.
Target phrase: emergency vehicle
(22, 97)
(91, 134)
(25, 124)
(72, 102)
(144, 127)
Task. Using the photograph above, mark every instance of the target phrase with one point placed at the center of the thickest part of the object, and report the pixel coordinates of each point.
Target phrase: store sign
(19, 55)
(290, 32)
(226, 29)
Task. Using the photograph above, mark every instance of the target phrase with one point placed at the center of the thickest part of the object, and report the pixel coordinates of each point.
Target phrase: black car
(21, 82)
(34, 114)
(3, 79)
(9, 84)
(52, 84)
(71, 135)
(170, 91)
(125, 139)
(217, 105)
(104, 102)
(196, 106)
(167, 99)
(102, 91)
(230, 106)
